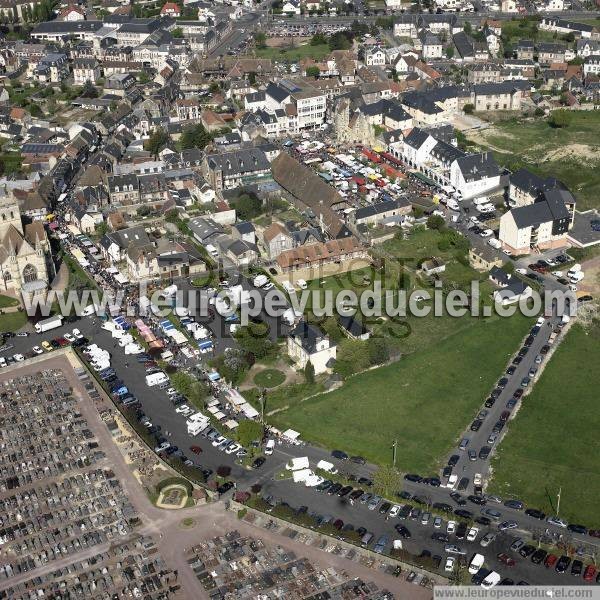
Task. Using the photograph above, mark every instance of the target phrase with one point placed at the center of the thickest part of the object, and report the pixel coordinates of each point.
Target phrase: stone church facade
(25, 258)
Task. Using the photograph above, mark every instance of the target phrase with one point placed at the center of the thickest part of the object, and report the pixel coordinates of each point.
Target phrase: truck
(156, 379)
(197, 423)
(260, 280)
(47, 324)
(212, 250)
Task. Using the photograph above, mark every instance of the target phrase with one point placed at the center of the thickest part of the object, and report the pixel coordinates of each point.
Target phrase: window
(29, 273)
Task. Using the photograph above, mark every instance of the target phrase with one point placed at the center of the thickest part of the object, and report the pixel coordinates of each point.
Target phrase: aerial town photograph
(299, 299)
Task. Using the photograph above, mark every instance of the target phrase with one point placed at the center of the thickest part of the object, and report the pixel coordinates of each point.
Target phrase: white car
(557, 274)
(477, 479)
(472, 534)
(218, 440)
(556, 521)
(438, 522)
(77, 334)
(268, 286)
(450, 562)
(486, 233)
(451, 527)
(37, 350)
(182, 409)
(19, 357)
(233, 449)
(540, 321)
(394, 511)
(69, 337)
(521, 271)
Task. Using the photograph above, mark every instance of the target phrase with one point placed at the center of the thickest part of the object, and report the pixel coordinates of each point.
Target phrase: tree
(248, 431)
(340, 41)
(509, 267)
(449, 51)
(352, 357)
(254, 339)
(177, 32)
(387, 481)
(467, 28)
(252, 78)
(436, 222)
(247, 205)
(313, 71)
(195, 136)
(468, 109)
(378, 350)
(260, 39)
(309, 373)
(89, 90)
(157, 141)
(560, 119)
(195, 391)
(318, 39)
(143, 77)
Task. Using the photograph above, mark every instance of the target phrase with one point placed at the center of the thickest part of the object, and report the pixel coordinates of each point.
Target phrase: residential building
(306, 342)
(86, 69)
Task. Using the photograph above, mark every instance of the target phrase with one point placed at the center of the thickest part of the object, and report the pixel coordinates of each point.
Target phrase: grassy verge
(13, 321)
(294, 54)
(424, 401)
(553, 443)
(8, 301)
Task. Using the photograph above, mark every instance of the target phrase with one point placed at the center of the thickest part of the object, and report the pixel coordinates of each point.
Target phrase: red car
(62, 342)
(590, 573)
(196, 449)
(506, 559)
(550, 561)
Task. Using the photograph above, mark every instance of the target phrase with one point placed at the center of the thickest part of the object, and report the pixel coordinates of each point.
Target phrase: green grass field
(6, 301)
(295, 53)
(571, 154)
(13, 321)
(424, 400)
(553, 442)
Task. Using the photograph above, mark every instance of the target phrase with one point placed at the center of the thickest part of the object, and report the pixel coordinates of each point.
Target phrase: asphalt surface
(360, 516)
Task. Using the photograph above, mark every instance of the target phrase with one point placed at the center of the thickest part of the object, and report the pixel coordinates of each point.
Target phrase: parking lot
(330, 507)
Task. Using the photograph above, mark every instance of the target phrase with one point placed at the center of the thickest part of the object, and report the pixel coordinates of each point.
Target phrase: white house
(375, 57)
(475, 174)
(307, 342)
(543, 224)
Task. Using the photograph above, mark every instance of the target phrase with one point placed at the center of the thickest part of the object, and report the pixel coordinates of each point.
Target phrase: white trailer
(47, 324)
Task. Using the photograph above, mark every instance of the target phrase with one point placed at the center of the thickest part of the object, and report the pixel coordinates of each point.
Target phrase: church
(25, 258)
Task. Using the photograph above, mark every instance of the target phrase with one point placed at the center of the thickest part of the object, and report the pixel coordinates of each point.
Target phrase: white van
(302, 284)
(491, 580)
(269, 447)
(494, 243)
(288, 287)
(476, 563)
(212, 250)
